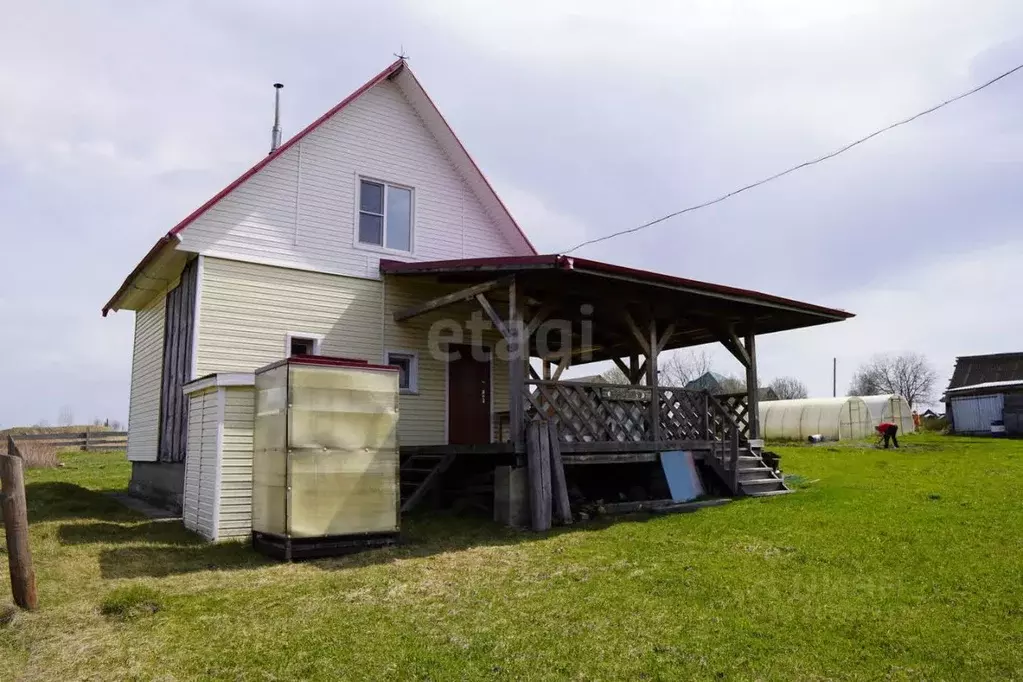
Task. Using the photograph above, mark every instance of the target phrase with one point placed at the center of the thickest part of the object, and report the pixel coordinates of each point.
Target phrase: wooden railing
(613, 413)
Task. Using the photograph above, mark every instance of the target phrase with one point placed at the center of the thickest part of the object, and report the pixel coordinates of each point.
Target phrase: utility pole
(834, 377)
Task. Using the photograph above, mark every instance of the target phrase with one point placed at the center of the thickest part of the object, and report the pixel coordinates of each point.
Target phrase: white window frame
(358, 210)
(317, 340)
(413, 374)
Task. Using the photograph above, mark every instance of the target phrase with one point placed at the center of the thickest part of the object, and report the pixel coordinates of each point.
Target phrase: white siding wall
(235, 518)
(247, 310)
(146, 369)
(200, 490)
(300, 210)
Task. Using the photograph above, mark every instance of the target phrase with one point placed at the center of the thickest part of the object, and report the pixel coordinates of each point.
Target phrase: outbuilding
(985, 395)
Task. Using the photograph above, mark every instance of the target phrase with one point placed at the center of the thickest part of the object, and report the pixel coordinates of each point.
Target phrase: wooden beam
(752, 386)
(447, 299)
(492, 314)
(663, 341)
(636, 333)
(627, 371)
(539, 318)
(728, 339)
(538, 456)
(516, 367)
(563, 363)
(651, 380)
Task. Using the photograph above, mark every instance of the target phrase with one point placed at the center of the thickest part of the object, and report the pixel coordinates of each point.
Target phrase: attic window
(385, 215)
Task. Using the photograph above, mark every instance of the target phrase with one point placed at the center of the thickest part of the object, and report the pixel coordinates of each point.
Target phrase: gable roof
(435, 123)
(972, 370)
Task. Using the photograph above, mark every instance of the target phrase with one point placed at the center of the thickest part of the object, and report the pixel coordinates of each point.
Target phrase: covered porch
(555, 312)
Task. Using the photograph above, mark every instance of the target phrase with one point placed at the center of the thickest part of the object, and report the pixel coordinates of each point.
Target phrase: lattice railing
(608, 413)
(592, 413)
(737, 405)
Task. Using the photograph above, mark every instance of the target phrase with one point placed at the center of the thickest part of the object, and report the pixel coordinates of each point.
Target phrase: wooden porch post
(516, 366)
(752, 385)
(651, 380)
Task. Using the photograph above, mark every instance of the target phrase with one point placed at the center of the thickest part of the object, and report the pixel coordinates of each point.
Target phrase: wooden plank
(492, 314)
(634, 446)
(610, 458)
(470, 449)
(15, 513)
(626, 370)
(665, 337)
(559, 483)
(563, 362)
(538, 468)
(447, 299)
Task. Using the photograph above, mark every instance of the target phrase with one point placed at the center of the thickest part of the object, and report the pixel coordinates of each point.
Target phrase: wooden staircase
(418, 475)
(744, 471)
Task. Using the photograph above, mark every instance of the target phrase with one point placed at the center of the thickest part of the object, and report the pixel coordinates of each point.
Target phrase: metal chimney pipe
(275, 132)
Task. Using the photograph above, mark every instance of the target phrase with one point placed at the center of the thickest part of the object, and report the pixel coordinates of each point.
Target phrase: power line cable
(800, 166)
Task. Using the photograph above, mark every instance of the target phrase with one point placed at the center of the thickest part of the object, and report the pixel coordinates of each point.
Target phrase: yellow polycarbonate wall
(891, 408)
(329, 434)
(834, 418)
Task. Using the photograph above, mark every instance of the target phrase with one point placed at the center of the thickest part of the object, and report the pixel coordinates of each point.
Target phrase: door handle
(483, 396)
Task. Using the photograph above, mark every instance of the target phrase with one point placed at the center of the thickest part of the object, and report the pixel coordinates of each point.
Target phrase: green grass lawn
(886, 564)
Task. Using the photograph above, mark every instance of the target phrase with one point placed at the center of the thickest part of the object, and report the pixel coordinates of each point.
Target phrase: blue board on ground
(683, 479)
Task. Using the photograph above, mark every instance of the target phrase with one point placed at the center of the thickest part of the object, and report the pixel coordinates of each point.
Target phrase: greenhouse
(833, 418)
(891, 408)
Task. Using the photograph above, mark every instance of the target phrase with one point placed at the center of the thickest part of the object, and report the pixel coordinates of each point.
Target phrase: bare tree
(615, 376)
(66, 416)
(788, 388)
(909, 375)
(683, 366)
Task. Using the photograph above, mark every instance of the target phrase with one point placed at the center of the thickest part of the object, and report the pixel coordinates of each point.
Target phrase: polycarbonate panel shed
(325, 456)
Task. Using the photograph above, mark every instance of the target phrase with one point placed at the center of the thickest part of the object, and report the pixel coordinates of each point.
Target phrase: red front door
(468, 395)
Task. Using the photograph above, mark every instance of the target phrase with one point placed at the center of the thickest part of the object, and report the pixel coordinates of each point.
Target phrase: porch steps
(754, 478)
(418, 474)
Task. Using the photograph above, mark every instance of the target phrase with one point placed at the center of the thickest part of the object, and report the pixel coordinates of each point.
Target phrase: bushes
(38, 455)
(131, 602)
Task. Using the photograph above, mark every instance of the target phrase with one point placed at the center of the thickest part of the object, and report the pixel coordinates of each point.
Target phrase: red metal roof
(389, 72)
(558, 261)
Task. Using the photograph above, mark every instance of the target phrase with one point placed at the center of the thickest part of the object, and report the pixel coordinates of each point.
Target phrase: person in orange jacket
(889, 431)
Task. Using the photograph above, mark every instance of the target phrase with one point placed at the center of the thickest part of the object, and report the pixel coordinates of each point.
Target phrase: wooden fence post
(86, 446)
(15, 511)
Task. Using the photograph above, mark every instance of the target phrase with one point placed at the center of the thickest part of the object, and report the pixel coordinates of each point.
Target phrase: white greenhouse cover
(834, 418)
(891, 408)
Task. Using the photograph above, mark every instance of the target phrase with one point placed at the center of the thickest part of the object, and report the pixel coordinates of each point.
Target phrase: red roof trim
(582, 264)
(383, 75)
(473, 162)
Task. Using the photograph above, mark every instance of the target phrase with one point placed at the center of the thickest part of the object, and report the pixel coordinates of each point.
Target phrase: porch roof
(699, 311)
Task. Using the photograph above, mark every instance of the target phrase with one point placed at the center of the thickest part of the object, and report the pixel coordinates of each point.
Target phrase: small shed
(834, 418)
(985, 389)
(217, 495)
(892, 408)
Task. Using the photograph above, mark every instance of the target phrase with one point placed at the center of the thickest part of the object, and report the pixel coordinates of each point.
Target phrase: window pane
(404, 365)
(371, 197)
(371, 229)
(399, 218)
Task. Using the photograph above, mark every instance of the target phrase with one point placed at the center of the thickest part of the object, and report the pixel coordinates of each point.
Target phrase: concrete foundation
(159, 483)
(511, 496)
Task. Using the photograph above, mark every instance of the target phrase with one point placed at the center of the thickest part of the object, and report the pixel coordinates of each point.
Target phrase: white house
(286, 258)
(358, 238)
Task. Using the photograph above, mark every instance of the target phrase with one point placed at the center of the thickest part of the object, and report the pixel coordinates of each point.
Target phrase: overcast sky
(117, 119)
